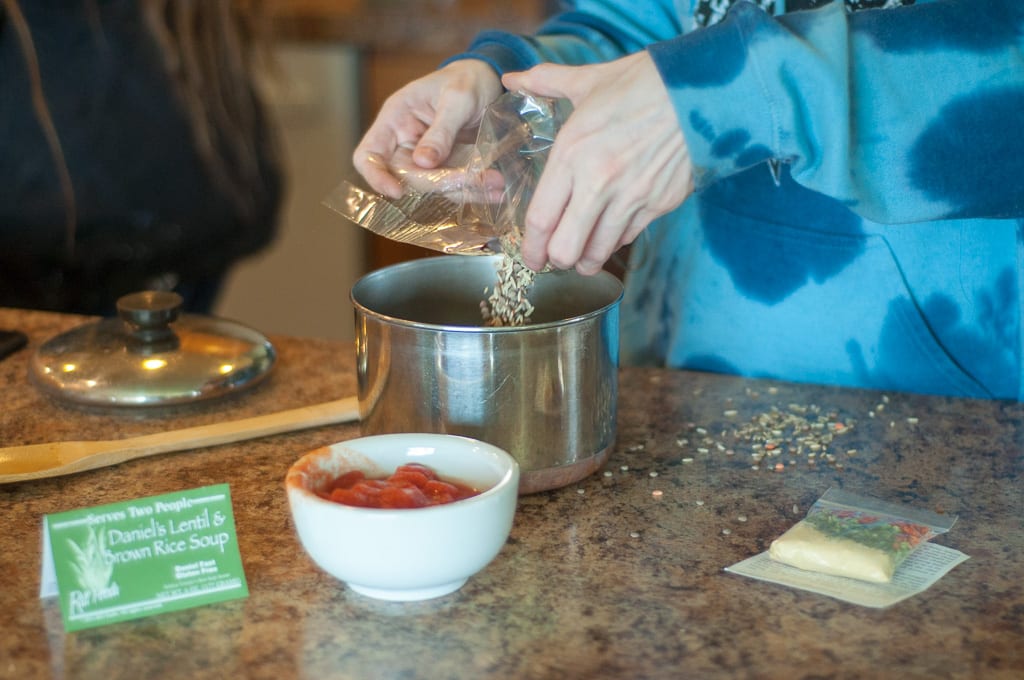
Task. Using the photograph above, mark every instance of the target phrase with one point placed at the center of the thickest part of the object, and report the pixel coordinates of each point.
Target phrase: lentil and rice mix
(508, 303)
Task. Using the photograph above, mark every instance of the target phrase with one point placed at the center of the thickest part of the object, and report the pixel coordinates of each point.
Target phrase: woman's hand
(424, 118)
(619, 162)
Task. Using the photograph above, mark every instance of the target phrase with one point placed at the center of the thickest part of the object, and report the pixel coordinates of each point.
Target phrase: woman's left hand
(619, 162)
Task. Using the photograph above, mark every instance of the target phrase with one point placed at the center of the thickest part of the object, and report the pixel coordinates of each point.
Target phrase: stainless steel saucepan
(545, 392)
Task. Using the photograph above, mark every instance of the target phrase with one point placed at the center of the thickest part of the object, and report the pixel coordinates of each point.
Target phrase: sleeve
(589, 31)
(904, 115)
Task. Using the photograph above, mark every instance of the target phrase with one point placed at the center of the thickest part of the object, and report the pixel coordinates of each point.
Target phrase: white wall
(300, 285)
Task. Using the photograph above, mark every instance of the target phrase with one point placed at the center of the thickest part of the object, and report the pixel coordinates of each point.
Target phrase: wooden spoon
(35, 461)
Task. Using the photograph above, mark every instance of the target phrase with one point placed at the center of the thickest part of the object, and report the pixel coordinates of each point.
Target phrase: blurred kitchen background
(337, 61)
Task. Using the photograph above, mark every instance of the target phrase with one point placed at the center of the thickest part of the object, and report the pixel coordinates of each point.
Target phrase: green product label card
(142, 557)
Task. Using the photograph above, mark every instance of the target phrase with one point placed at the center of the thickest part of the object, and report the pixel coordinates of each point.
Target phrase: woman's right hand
(425, 116)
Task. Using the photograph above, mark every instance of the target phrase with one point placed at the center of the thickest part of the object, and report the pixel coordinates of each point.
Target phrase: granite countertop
(604, 578)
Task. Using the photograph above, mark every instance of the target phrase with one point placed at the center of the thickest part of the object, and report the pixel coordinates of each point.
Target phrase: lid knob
(149, 315)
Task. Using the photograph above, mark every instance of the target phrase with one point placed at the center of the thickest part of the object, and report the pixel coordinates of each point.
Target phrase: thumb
(434, 147)
(545, 80)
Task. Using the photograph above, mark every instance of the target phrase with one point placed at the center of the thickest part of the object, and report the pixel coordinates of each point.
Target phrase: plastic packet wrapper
(856, 537)
(479, 197)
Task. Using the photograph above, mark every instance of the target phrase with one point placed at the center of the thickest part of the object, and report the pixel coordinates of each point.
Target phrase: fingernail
(426, 156)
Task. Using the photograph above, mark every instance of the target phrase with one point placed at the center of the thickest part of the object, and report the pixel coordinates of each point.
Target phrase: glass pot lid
(151, 354)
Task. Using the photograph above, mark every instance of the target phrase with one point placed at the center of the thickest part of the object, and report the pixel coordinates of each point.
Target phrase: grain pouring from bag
(508, 303)
(481, 195)
(513, 142)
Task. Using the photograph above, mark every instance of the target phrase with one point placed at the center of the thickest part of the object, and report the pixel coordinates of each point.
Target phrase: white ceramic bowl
(405, 555)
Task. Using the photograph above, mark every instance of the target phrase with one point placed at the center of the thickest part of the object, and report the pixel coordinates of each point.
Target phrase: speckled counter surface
(601, 579)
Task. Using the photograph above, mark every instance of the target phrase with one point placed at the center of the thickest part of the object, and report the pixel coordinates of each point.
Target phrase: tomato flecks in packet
(411, 486)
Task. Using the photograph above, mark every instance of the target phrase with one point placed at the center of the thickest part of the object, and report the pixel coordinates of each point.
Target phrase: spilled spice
(779, 437)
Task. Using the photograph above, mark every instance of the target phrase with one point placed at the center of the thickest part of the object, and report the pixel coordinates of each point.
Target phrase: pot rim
(455, 328)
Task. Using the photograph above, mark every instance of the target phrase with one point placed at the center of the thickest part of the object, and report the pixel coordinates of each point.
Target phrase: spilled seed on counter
(777, 437)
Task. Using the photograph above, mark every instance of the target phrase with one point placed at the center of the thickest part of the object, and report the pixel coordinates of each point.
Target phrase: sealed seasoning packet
(861, 538)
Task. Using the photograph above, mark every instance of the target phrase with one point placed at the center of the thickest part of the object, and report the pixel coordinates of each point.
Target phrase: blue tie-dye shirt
(860, 187)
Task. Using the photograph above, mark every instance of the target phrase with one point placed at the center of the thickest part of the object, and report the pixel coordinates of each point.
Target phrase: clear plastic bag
(479, 196)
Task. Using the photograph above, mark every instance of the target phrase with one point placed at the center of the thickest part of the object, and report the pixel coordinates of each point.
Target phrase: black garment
(150, 214)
